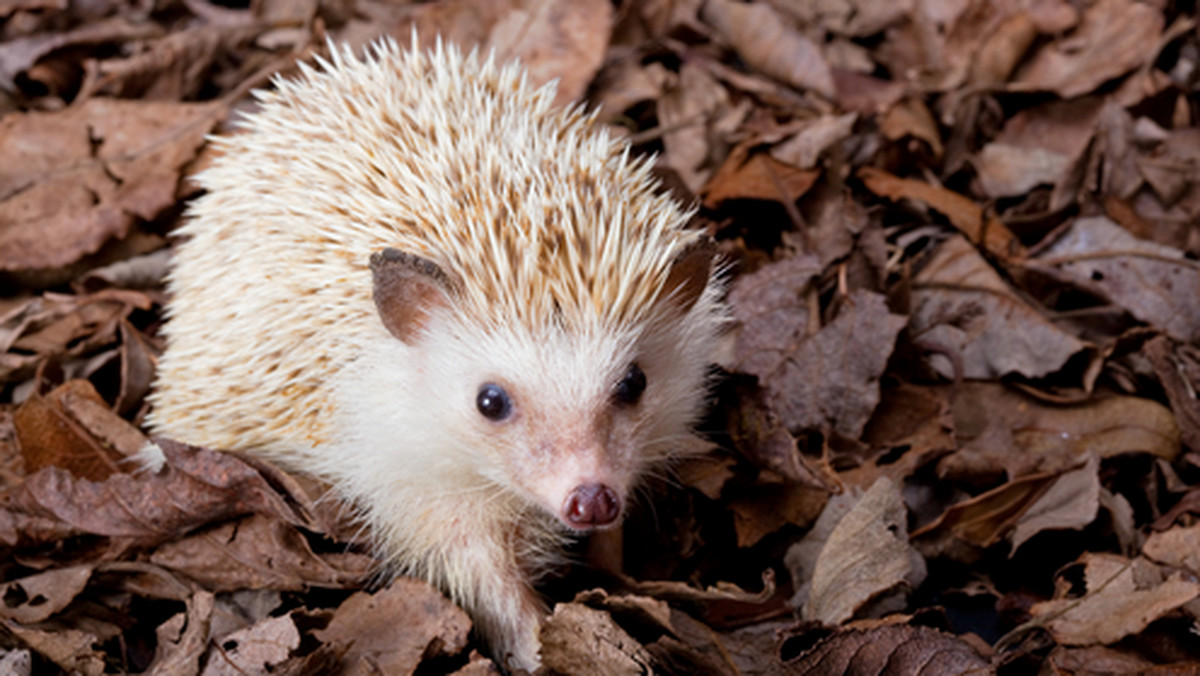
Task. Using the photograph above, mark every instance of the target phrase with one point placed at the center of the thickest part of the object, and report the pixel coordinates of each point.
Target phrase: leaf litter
(956, 428)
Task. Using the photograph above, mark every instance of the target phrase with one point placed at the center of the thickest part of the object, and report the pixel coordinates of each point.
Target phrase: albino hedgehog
(467, 309)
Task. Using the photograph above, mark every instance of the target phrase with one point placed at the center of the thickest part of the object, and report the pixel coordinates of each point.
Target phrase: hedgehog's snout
(591, 506)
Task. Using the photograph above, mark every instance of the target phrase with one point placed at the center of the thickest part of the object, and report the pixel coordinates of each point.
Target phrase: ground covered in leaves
(956, 429)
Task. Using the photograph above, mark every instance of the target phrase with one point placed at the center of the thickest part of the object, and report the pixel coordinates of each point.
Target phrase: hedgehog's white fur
(561, 247)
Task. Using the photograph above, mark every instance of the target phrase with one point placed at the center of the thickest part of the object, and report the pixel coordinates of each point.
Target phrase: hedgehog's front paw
(512, 626)
(522, 652)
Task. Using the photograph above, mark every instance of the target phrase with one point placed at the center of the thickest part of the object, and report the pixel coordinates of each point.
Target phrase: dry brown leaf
(258, 552)
(580, 640)
(52, 434)
(890, 649)
(770, 507)
(910, 117)
(1038, 146)
(964, 309)
(828, 380)
(1005, 45)
(805, 148)
(195, 487)
(72, 650)
(984, 519)
(1157, 284)
(79, 177)
(172, 68)
(1113, 37)
(54, 325)
(1122, 598)
(18, 55)
(1171, 362)
(1173, 169)
(769, 304)
(1178, 547)
(719, 592)
(855, 18)
(1071, 502)
(394, 629)
(621, 85)
(866, 556)
(962, 213)
(865, 94)
(183, 638)
(1004, 432)
(685, 111)
(757, 176)
(34, 598)
(761, 439)
(564, 41)
(767, 42)
(1103, 661)
(257, 649)
(914, 417)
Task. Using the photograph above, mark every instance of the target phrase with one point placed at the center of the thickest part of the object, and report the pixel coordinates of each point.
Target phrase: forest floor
(955, 427)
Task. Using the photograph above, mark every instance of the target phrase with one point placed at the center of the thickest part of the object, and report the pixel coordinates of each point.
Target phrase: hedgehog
(473, 313)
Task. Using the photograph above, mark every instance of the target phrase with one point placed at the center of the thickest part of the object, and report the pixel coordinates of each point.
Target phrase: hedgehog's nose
(591, 506)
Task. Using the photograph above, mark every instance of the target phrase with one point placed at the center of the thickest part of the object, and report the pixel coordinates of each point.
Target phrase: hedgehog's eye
(493, 402)
(629, 389)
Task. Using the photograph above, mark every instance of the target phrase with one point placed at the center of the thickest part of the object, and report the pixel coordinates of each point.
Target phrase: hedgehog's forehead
(555, 364)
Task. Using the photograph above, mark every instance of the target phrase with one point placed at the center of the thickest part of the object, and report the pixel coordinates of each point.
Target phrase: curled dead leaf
(1122, 598)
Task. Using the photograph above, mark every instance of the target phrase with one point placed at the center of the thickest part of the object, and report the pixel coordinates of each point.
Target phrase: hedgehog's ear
(689, 274)
(407, 289)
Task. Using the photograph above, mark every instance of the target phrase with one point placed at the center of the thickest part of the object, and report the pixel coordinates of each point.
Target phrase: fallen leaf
(173, 68)
(769, 507)
(72, 650)
(1171, 362)
(258, 552)
(889, 649)
(770, 306)
(195, 487)
(256, 649)
(769, 44)
(394, 629)
(563, 41)
(756, 176)
(52, 435)
(1037, 146)
(1113, 37)
(964, 308)
(184, 638)
(81, 176)
(685, 111)
(34, 598)
(910, 118)
(19, 54)
(983, 520)
(1071, 502)
(1178, 547)
(866, 555)
(1104, 661)
(825, 381)
(580, 640)
(1116, 604)
(805, 148)
(962, 213)
(1002, 431)
(1157, 284)
(761, 439)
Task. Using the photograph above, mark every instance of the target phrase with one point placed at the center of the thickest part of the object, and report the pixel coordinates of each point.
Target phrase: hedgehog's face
(567, 419)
